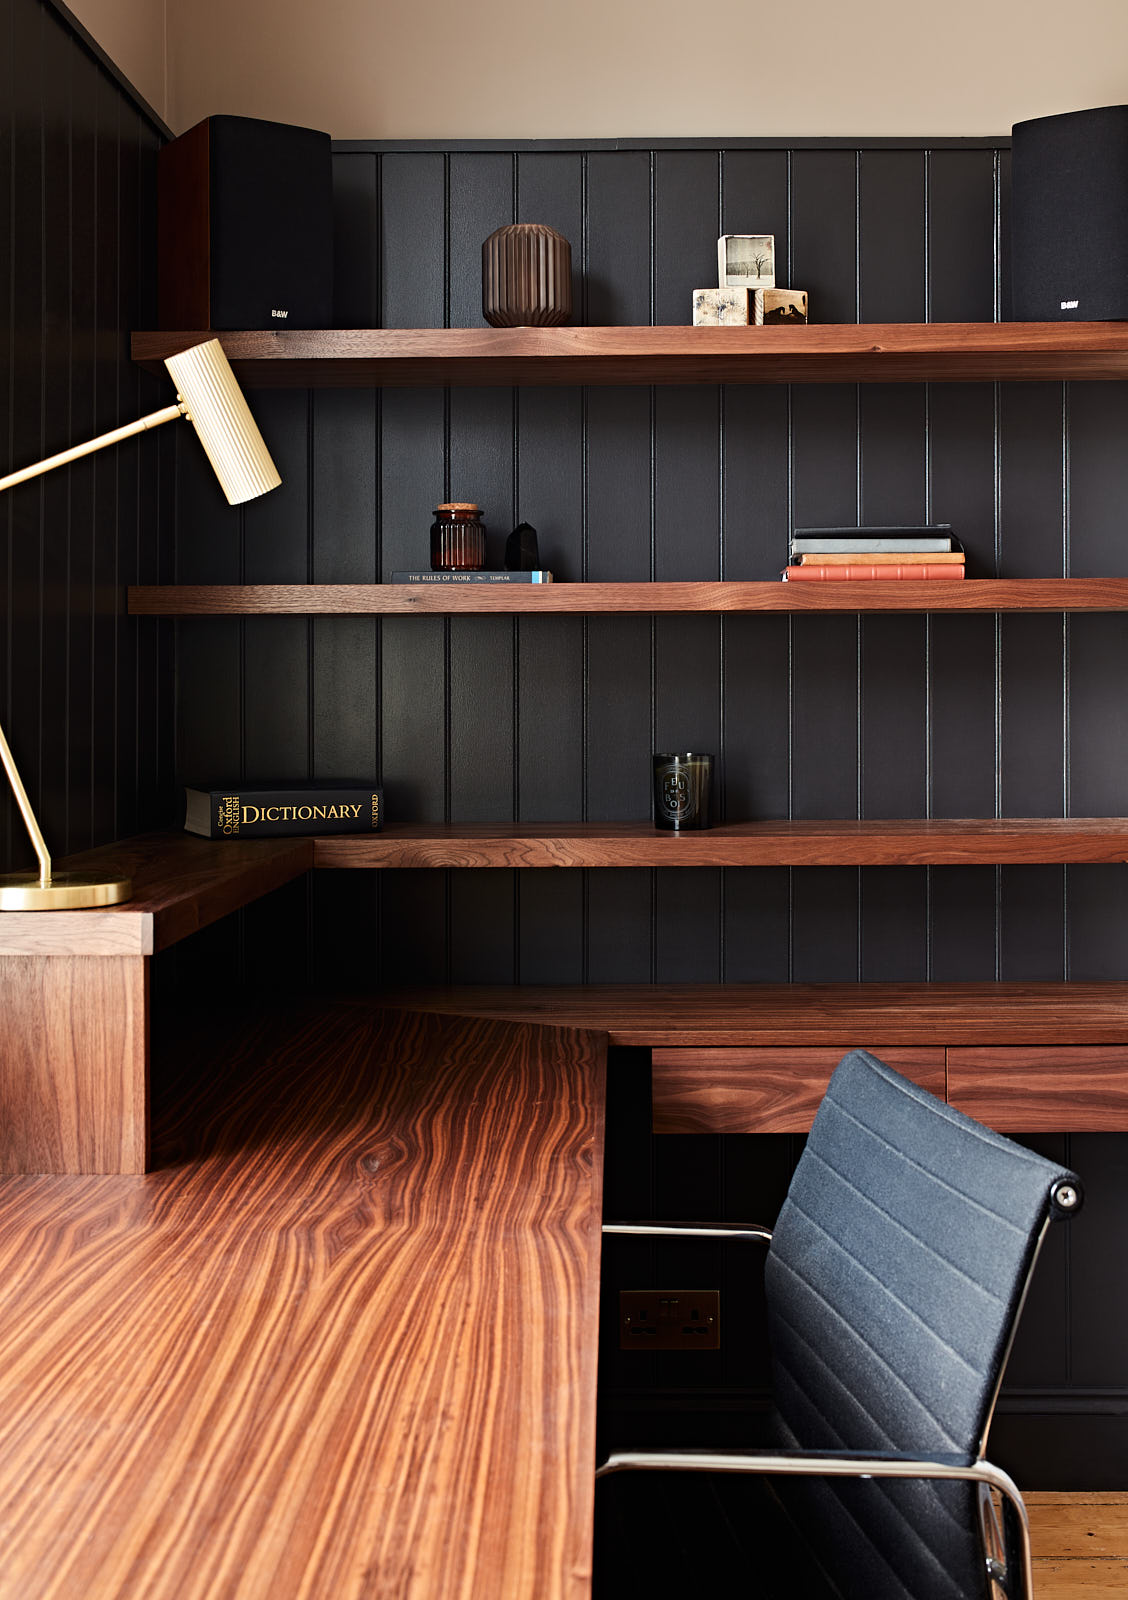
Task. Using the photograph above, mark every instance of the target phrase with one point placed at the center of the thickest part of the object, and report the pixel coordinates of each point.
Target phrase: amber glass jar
(458, 540)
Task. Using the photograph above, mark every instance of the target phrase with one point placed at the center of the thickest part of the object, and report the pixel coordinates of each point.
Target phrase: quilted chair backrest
(894, 1276)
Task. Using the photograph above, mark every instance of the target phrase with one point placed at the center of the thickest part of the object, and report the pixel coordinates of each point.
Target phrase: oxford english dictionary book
(234, 812)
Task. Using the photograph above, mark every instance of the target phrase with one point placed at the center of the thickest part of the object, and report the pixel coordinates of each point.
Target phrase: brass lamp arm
(26, 812)
(45, 889)
(154, 420)
(209, 397)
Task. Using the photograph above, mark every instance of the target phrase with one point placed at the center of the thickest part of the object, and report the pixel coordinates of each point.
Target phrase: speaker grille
(246, 226)
(1069, 216)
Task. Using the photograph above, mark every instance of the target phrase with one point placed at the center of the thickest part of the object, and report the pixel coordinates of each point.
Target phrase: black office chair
(895, 1276)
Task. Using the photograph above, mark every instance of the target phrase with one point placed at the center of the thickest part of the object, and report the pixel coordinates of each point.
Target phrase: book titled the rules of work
(235, 812)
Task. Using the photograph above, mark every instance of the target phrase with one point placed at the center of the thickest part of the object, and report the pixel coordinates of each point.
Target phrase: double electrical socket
(669, 1319)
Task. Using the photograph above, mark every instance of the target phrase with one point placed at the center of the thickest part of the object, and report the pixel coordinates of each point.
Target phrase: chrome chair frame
(1008, 1567)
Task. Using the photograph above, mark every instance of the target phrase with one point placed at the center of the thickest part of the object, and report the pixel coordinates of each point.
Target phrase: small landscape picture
(746, 260)
(785, 305)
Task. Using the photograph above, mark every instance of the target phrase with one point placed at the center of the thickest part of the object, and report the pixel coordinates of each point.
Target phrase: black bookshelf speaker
(245, 227)
(1069, 217)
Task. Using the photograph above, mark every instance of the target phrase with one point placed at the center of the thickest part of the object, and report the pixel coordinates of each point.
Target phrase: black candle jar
(681, 791)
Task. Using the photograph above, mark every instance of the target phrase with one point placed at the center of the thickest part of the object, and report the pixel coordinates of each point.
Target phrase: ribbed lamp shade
(214, 404)
(526, 277)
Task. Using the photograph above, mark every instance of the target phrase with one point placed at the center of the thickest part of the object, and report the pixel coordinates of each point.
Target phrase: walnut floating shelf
(405, 599)
(877, 352)
(909, 842)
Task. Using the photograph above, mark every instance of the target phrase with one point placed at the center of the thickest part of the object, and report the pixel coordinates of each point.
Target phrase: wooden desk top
(801, 1014)
(341, 1343)
(180, 884)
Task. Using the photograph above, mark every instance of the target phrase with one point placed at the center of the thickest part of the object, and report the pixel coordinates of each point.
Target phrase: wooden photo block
(746, 260)
(785, 305)
(726, 308)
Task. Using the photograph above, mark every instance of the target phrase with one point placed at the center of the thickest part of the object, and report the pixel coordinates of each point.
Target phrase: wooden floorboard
(340, 1343)
(1080, 1543)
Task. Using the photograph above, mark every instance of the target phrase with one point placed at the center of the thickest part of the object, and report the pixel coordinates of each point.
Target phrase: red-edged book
(864, 571)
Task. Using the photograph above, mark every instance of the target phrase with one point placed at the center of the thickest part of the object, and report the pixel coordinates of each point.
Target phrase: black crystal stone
(521, 553)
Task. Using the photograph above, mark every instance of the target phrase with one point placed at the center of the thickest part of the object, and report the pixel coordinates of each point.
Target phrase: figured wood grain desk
(342, 1343)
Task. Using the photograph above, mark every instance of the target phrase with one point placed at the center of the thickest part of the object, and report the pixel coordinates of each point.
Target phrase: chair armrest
(799, 1463)
(851, 1464)
(693, 1230)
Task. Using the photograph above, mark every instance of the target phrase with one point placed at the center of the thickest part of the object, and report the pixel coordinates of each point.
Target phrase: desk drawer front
(761, 1090)
(1042, 1089)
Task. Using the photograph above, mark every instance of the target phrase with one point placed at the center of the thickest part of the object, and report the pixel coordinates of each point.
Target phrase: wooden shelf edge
(389, 599)
(182, 883)
(835, 352)
(896, 842)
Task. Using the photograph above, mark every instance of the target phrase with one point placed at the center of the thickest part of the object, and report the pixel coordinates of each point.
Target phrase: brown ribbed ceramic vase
(526, 277)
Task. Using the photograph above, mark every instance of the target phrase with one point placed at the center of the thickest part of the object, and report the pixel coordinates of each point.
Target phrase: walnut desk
(341, 1343)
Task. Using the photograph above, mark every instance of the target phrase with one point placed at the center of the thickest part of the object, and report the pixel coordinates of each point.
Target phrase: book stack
(471, 577)
(909, 555)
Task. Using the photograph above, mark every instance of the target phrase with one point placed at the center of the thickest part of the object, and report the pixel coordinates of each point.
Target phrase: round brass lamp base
(66, 891)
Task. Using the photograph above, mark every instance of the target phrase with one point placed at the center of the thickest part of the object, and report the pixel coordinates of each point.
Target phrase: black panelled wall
(85, 694)
(496, 718)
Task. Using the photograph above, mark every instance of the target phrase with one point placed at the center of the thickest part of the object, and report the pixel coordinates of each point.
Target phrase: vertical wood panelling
(1032, 916)
(9, 819)
(964, 924)
(54, 489)
(892, 200)
(412, 196)
(618, 944)
(755, 721)
(1096, 1319)
(356, 241)
(1096, 930)
(686, 225)
(83, 424)
(486, 903)
(963, 236)
(963, 662)
(825, 927)
(756, 929)
(550, 190)
(755, 199)
(276, 676)
(76, 275)
(824, 235)
(105, 598)
(893, 921)
(617, 244)
(27, 408)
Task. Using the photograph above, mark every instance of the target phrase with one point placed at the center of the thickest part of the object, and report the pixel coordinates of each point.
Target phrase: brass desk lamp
(209, 397)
